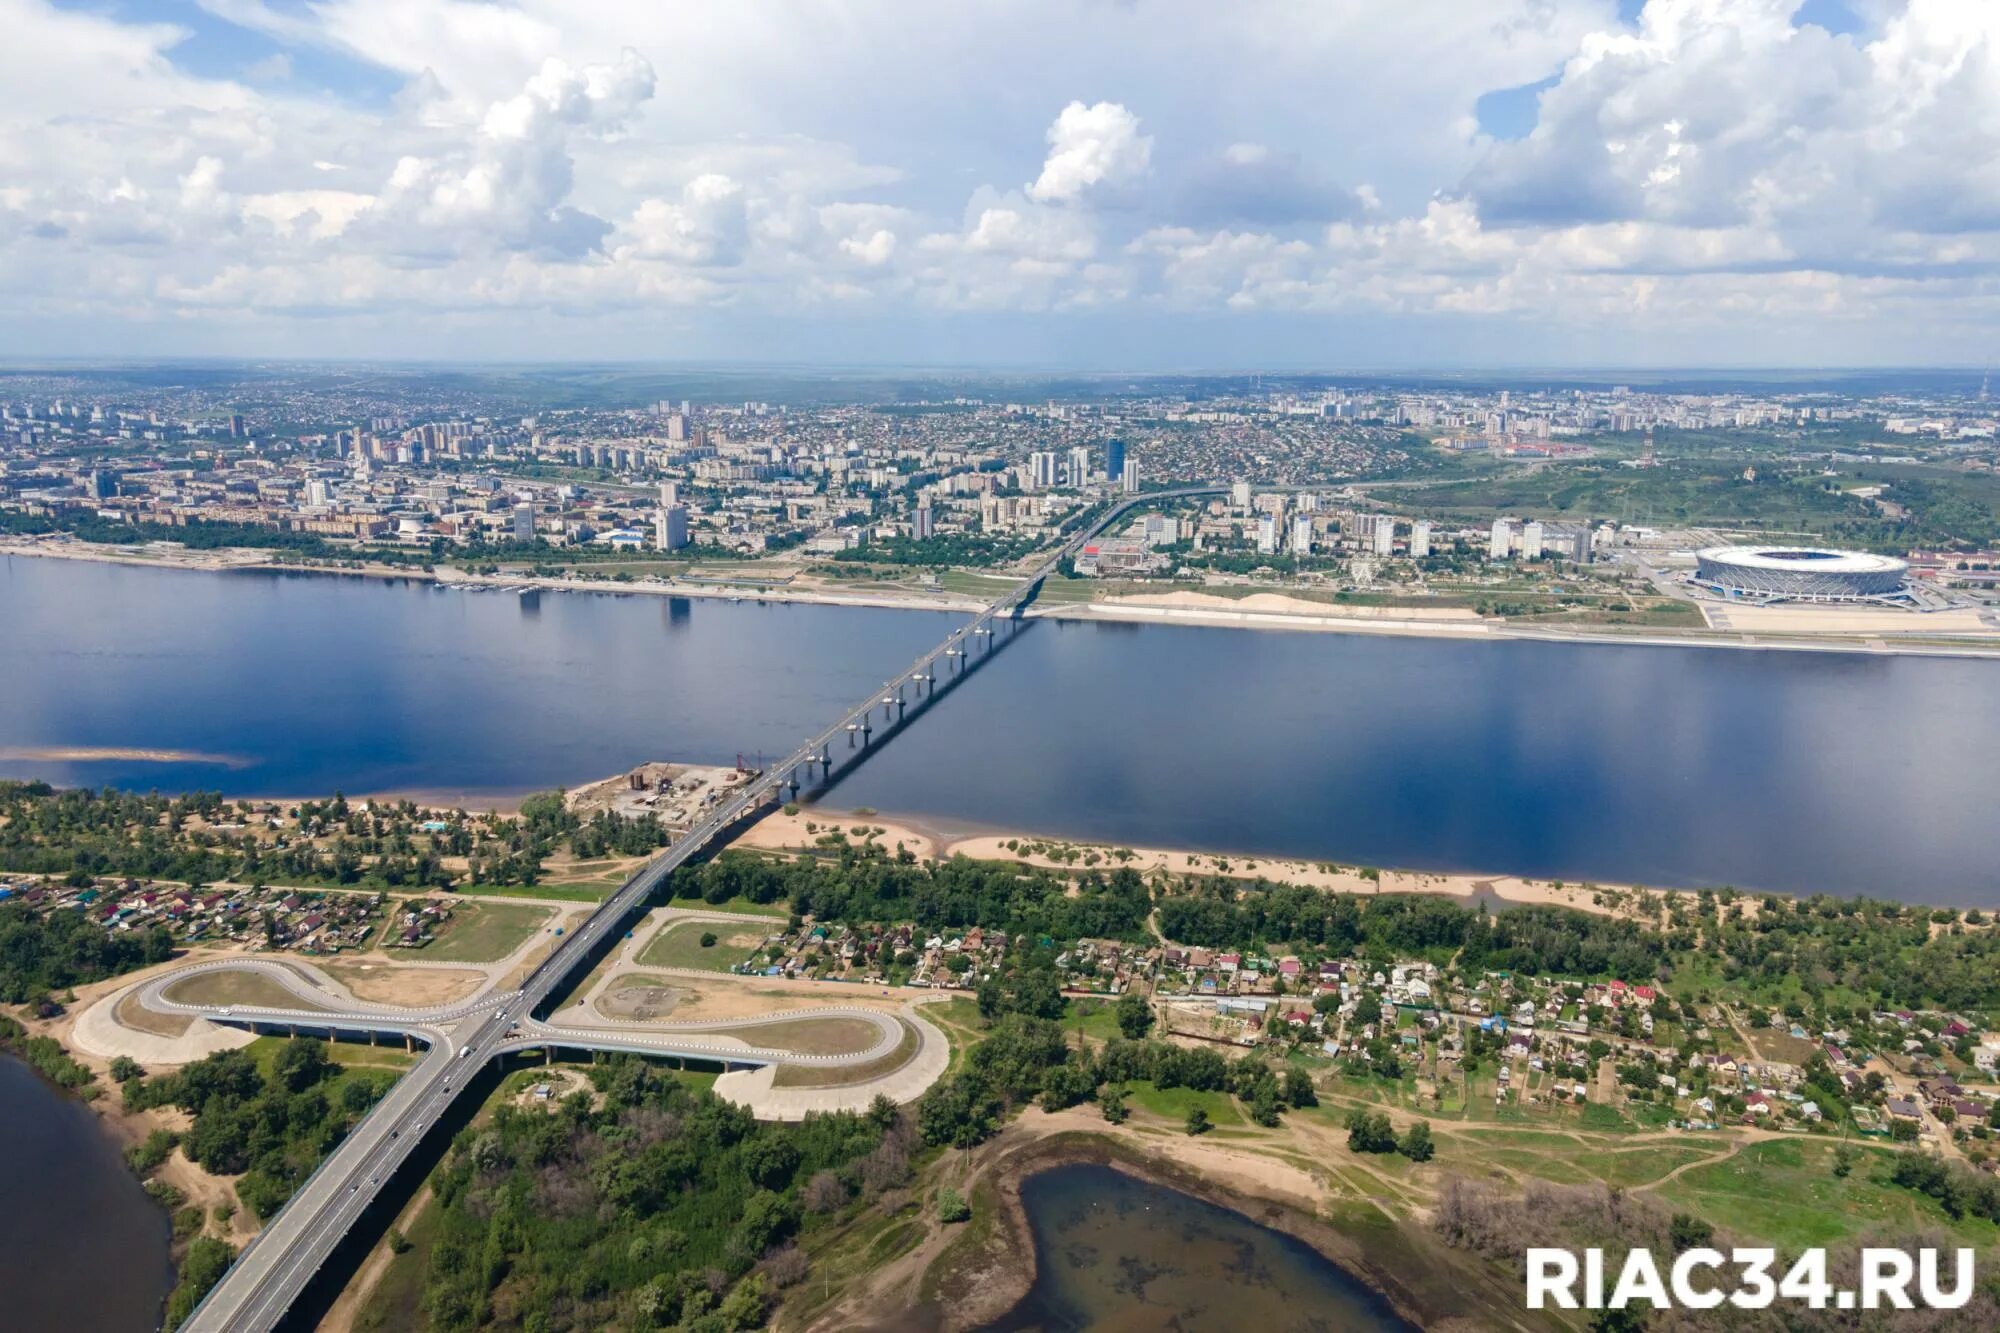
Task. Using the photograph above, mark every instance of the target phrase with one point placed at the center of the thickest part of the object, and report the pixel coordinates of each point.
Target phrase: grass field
(346, 1054)
(679, 945)
(1785, 1192)
(797, 1076)
(1175, 1103)
(396, 1302)
(231, 987)
(1097, 1019)
(484, 933)
(585, 891)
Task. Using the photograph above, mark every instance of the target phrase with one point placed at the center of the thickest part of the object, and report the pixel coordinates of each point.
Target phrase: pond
(1115, 1252)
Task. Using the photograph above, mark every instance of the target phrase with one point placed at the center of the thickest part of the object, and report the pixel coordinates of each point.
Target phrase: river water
(1117, 1253)
(81, 1246)
(1847, 773)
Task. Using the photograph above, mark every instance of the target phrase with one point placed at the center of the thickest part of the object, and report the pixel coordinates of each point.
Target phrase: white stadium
(1799, 574)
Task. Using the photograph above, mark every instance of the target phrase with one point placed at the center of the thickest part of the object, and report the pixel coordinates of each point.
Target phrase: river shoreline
(979, 1277)
(1142, 609)
(781, 832)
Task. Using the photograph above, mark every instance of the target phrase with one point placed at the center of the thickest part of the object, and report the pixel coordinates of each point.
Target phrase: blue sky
(1100, 183)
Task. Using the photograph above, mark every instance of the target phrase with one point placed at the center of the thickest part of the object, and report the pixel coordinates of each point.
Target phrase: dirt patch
(703, 1001)
(813, 1036)
(560, 1084)
(416, 987)
(640, 999)
(782, 832)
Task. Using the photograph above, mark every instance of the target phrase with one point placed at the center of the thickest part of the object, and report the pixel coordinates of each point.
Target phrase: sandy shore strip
(1943, 634)
(1947, 634)
(97, 754)
(783, 832)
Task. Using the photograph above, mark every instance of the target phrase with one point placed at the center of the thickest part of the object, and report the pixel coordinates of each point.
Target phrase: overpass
(254, 1295)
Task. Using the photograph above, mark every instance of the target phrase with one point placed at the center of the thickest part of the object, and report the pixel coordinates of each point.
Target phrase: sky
(1084, 184)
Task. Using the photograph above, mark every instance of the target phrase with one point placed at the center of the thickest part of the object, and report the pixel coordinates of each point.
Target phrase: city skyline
(1563, 182)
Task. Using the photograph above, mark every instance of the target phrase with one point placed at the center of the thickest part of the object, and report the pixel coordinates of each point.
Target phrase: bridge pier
(409, 1044)
(548, 1055)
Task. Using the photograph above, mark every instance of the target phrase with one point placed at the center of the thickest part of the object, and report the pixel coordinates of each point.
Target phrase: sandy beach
(783, 832)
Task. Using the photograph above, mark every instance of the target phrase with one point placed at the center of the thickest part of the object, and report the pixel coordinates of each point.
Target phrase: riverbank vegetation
(201, 838)
(1843, 955)
(269, 1122)
(646, 1202)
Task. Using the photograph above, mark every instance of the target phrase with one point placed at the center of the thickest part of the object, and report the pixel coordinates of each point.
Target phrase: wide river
(1848, 773)
(81, 1246)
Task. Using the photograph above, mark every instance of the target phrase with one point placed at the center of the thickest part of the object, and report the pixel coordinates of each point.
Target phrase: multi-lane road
(272, 1272)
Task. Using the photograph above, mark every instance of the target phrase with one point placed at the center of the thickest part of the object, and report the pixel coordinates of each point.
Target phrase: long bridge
(273, 1271)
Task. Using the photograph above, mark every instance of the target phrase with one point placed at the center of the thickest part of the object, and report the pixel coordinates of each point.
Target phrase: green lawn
(1175, 1103)
(346, 1054)
(1785, 1192)
(559, 891)
(679, 945)
(484, 932)
(1094, 1018)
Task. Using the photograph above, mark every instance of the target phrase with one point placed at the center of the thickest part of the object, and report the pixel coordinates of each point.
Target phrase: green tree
(1197, 1122)
(1416, 1144)
(1135, 1015)
(1369, 1131)
(1687, 1232)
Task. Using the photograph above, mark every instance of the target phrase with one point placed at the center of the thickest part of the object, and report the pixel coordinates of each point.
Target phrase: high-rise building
(103, 484)
(1239, 495)
(1128, 476)
(1302, 534)
(670, 494)
(1267, 534)
(670, 528)
(237, 428)
(1501, 544)
(524, 522)
(1079, 466)
(1385, 535)
(677, 428)
(923, 524)
(1531, 541)
(1114, 458)
(1041, 469)
(1420, 539)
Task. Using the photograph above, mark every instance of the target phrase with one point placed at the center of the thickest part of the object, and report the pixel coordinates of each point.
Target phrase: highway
(276, 1267)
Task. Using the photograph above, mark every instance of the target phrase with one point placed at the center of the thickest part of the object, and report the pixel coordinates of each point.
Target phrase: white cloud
(1091, 148)
(1710, 168)
(706, 225)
